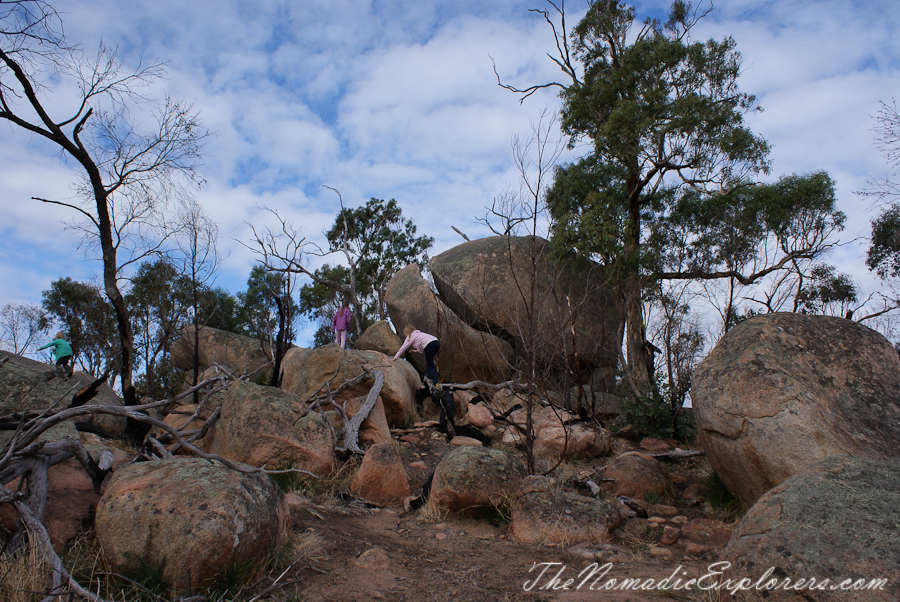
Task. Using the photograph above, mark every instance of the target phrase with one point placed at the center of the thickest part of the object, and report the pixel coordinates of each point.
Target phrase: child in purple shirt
(340, 323)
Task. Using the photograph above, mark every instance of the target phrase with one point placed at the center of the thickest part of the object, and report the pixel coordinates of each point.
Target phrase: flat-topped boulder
(305, 371)
(234, 351)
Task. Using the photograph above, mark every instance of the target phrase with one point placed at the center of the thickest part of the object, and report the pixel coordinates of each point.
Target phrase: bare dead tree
(285, 252)
(20, 326)
(120, 164)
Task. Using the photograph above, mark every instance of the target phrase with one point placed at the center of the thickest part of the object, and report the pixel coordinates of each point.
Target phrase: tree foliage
(379, 242)
(668, 190)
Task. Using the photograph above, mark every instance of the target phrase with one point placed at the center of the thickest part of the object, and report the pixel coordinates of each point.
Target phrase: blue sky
(392, 99)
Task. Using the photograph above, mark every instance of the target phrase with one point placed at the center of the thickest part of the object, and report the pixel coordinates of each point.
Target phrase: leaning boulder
(472, 479)
(236, 352)
(560, 517)
(267, 427)
(781, 391)
(191, 519)
(305, 371)
(488, 283)
(837, 520)
(466, 354)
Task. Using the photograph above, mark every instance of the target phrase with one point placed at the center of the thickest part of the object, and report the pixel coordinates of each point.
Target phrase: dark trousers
(431, 350)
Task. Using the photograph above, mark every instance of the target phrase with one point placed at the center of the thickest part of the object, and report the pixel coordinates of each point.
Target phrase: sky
(395, 99)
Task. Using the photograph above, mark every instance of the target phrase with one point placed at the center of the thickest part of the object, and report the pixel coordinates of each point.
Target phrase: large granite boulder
(26, 384)
(781, 391)
(305, 371)
(234, 351)
(561, 517)
(267, 427)
(487, 283)
(472, 479)
(837, 520)
(466, 354)
(191, 519)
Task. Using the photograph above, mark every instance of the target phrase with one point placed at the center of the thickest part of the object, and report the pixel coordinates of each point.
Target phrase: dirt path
(368, 553)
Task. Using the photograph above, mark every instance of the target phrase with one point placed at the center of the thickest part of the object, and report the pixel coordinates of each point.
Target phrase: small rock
(661, 552)
(418, 464)
(670, 535)
(410, 439)
(441, 536)
(605, 552)
(654, 445)
(465, 441)
(295, 500)
(373, 559)
(678, 520)
(662, 510)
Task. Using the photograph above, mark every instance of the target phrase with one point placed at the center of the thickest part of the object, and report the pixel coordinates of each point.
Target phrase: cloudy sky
(398, 99)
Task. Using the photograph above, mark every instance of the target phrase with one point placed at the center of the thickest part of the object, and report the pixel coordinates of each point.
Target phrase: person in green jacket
(63, 352)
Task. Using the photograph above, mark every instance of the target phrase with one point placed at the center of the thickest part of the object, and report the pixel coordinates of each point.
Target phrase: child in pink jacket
(423, 343)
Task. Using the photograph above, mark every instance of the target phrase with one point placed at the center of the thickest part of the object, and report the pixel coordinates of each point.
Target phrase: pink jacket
(418, 340)
(341, 319)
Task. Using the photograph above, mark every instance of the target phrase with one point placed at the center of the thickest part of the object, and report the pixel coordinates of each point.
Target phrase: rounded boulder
(782, 391)
(190, 519)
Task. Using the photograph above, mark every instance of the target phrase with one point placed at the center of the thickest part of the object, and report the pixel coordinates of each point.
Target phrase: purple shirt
(341, 319)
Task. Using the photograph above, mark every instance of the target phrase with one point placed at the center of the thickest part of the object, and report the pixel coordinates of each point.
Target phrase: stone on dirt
(381, 478)
(555, 517)
(472, 479)
(191, 519)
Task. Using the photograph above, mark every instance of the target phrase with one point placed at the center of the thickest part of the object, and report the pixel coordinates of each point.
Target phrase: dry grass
(24, 578)
(308, 546)
(432, 513)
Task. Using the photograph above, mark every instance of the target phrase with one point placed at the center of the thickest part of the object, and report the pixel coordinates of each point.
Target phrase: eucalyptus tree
(671, 167)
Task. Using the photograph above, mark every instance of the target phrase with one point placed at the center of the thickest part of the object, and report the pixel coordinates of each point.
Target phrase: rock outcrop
(466, 354)
(26, 384)
(472, 479)
(234, 351)
(191, 519)
(267, 427)
(304, 371)
(837, 520)
(781, 391)
(487, 282)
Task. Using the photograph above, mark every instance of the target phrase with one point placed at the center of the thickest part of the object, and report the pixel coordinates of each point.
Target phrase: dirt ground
(366, 553)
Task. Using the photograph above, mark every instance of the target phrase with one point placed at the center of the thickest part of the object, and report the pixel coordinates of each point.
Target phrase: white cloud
(399, 100)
